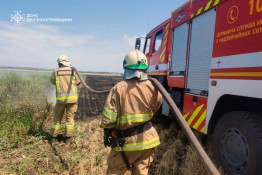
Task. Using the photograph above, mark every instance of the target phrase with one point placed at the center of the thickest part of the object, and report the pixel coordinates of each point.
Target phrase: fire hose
(179, 117)
(86, 86)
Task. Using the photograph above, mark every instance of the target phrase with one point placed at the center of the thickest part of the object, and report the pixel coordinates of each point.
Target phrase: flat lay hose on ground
(179, 117)
(87, 87)
(187, 130)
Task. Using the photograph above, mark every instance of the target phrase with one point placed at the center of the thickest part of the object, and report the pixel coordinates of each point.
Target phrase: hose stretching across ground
(86, 86)
(179, 117)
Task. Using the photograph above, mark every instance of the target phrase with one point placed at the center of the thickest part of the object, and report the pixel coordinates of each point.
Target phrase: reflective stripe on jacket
(131, 103)
(66, 82)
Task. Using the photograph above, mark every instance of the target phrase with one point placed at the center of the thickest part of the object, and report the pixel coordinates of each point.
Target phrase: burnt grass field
(90, 104)
(26, 150)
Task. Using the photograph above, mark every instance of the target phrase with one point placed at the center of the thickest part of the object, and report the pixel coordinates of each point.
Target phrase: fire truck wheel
(237, 143)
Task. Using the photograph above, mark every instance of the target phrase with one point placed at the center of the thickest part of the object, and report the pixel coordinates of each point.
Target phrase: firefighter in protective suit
(127, 116)
(66, 82)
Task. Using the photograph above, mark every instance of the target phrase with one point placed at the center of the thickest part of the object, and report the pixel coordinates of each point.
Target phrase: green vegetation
(22, 106)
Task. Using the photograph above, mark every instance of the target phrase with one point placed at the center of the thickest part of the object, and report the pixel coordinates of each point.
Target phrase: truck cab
(155, 48)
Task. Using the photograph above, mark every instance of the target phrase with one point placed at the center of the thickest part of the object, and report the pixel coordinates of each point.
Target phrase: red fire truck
(208, 55)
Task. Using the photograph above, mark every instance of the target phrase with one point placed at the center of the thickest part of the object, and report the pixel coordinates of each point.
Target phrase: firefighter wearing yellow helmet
(66, 82)
(127, 116)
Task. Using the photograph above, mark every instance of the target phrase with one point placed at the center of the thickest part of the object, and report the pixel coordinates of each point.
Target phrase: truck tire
(237, 143)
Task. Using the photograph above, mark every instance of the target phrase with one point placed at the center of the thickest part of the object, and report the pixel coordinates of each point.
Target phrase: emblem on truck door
(232, 14)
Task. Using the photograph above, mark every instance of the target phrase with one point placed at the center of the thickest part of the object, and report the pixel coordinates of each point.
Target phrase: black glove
(107, 134)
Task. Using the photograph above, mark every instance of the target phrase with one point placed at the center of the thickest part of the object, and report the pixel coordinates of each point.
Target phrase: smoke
(50, 94)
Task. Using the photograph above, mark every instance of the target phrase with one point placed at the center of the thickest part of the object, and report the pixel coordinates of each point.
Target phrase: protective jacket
(131, 103)
(66, 81)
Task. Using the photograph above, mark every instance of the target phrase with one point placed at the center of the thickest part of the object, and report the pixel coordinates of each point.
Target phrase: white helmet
(63, 59)
(135, 60)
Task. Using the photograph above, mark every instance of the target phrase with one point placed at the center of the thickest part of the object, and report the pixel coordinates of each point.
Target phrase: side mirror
(138, 43)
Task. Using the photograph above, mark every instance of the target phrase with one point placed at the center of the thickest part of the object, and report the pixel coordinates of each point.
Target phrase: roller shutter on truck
(200, 52)
(179, 49)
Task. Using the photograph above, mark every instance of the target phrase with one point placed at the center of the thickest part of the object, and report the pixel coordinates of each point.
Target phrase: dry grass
(86, 154)
(175, 155)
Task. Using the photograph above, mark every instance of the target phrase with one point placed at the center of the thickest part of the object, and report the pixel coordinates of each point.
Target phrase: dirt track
(90, 104)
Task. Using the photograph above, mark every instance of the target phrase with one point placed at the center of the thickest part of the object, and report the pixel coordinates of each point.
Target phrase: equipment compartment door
(178, 59)
(200, 53)
(179, 53)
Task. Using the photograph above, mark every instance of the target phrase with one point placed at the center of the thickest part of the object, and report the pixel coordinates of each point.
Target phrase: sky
(96, 38)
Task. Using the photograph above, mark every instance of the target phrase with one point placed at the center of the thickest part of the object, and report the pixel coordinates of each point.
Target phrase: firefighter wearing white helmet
(66, 82)
(127, 116)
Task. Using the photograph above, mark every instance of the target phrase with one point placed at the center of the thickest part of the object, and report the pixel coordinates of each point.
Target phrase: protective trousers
(60, 108)
(140, 161)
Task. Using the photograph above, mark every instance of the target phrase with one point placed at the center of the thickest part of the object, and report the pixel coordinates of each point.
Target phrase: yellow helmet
(135, 60)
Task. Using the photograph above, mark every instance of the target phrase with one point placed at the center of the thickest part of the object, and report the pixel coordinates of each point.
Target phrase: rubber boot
(68, 140)
(53, 140)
